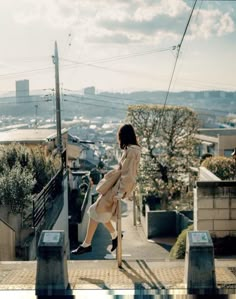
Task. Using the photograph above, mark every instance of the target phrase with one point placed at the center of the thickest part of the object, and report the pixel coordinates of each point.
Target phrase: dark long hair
(126, 136)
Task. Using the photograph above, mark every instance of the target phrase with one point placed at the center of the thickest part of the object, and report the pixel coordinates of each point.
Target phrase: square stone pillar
(199, 276)
(52, 273)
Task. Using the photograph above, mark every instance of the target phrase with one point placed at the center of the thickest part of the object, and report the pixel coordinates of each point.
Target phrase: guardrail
(44, 198)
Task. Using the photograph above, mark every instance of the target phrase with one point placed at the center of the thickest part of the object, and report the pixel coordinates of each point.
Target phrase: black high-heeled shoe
(115, 243)
(81, 250)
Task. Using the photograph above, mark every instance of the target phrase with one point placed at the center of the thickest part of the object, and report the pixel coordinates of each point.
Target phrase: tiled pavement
(146, 275)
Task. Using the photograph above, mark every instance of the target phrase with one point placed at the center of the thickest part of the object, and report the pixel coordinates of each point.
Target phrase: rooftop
(28, 135)
(217, 131)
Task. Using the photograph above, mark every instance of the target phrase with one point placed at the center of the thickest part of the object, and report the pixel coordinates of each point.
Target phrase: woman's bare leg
(109, 227)
(92, 226)
(113, 233)
(86, 245)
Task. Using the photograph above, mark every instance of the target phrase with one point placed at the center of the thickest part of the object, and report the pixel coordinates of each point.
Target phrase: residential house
(47, 138)
(218, 142)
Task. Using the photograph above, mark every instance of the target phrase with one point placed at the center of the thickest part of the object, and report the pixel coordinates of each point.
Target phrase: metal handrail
(44, 197)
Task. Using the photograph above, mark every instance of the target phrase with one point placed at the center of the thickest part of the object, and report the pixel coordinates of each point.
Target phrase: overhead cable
(178, 47)
(95, 105)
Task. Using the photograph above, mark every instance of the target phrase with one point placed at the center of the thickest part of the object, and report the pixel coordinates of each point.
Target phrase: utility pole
(58, 108)
(36, 115)
(53, 105)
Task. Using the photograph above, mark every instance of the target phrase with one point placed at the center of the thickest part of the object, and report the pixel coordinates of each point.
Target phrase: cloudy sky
(118, 45)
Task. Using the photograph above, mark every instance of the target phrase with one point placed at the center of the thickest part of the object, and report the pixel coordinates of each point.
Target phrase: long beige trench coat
(105, 207)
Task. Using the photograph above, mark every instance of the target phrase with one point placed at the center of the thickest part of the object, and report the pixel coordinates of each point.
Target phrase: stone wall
(215, 207)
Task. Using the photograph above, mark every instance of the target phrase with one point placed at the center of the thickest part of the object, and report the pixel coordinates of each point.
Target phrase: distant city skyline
(120, 46)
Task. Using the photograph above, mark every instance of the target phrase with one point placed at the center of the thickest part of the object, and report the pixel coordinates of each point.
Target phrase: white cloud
(170, 8)
(212, 23)
(226, 25)
(55, 13)
(125, 21)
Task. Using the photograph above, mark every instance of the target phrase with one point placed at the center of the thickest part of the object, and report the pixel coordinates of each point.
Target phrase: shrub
(178, 250)
(222, 167)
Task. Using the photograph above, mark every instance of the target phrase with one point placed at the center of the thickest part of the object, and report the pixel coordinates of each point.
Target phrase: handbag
(108, 181)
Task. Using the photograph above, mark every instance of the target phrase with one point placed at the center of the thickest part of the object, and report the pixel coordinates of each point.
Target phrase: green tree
(13, 153)
(43, 168)
(222, 167)
(168, 148)
(23, 172)
(16, 185)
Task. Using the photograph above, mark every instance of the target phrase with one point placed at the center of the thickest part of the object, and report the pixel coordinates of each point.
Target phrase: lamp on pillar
(233, 155)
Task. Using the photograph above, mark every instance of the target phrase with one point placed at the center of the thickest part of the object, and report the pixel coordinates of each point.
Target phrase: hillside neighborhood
(90, 144)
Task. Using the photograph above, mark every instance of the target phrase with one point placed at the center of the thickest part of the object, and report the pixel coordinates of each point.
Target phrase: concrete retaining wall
(183, 220)
(62, 222)
(215, 208)
(7, 242)
(162, 223)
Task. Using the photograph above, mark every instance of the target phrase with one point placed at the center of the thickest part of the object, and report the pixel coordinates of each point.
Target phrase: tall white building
(22, 90)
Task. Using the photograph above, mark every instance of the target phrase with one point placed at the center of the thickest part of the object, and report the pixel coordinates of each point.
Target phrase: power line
(175, 63)
(131, 55)
(24, 72)
(24, 102)
(91, 65)
(177, 55)
(95, 105)
(181, 65)
(93, 99)
(22, 96)
(98, 95)
(25, 96)
(114, 58)
(120, 57)
(135, 101)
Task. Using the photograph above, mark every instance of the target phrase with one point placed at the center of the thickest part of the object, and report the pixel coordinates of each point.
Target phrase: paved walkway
(135, 278)
(134, 243)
